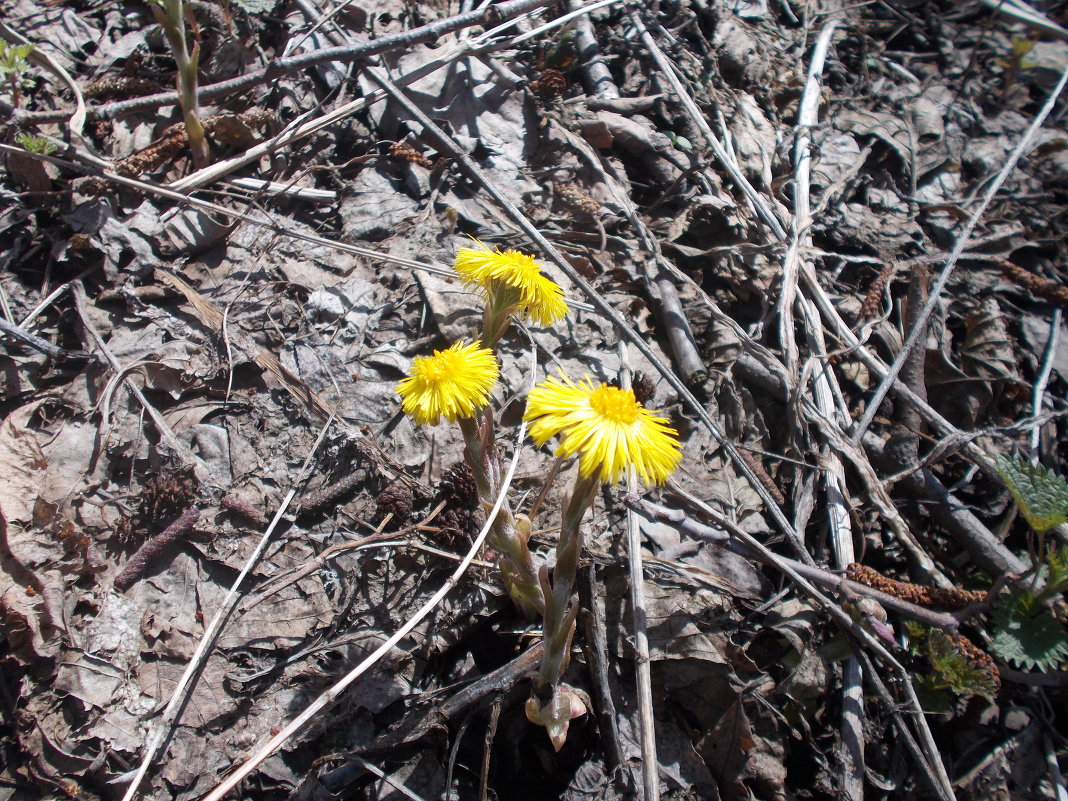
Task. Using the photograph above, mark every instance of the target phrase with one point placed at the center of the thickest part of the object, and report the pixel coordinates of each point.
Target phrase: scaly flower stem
(559, 620)
(172, 19)
(508, 536)
(501, 304)
(555, 704)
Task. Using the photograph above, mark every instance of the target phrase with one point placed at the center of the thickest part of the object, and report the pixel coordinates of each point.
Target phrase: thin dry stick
(852, 725)
(932, 763)
(596, 647)
(878, 494)
(75, 119)
(328, 698)
(985, 549)
(597, 77)
(669, 306)
(487, 749)
(640, 617)
(683, 96)
(679, 335)
(381, 774)
(283, 66)
(841, 329)
(920, 327)
(1021, 12)
(164, 430)
(1039, 391)
(523, 222)
(1056, 777)
(736, 540)
(300, 129)
(42, 345)
(806, 120)
(53, 296)
(99, 169)
(178, 695)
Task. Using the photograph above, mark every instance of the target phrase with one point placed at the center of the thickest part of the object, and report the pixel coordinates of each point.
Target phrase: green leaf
(957, 673)
(13, 58)
(932, 694)
(950, 669)
(1057, 575)
(1041, 494)
(1027, 635)
(34, 144)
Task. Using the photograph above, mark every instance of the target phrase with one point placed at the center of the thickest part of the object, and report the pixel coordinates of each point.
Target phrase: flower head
(606, 426)
(539, 298)
(453, 383)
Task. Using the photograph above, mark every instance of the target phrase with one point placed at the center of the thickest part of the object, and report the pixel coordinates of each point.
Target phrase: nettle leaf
(950, 669)
(954, 670)
(1027, 635)
(1057, 574)
(1041, 494)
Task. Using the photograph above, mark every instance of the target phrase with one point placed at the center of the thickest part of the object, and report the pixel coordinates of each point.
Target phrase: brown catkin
(239, 507)
(1040, 287)
(121, 87)
(873, 300)
(951, 599)
(402, 151)
(326, 496)
(762, 475)
(154, 547)
(576, 200)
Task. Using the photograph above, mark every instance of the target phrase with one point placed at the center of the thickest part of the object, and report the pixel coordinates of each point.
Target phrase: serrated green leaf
(1041, 494)
(932, 695)
(1057, 574)
(13, 58)
(34, 144)
(955, 671)
(1028, 637)
(917, 637)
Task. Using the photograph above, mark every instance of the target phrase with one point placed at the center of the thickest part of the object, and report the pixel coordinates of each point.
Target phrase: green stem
(559, 619)
(501, 303)
(507, 535)
(172, 19)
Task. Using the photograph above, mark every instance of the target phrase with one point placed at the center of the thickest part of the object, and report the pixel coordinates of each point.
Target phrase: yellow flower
(606, 426)
(453, 383)
(539, 298)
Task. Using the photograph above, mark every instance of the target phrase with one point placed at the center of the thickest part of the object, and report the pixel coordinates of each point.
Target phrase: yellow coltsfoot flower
(453, 383)
(515, 274)
(606, 426)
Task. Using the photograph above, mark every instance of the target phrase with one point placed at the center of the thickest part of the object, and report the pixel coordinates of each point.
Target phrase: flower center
(440, 368)
(615, 404)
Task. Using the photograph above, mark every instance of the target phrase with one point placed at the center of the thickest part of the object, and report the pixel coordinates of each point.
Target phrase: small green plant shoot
(171, 15)
(1026, 634)
(34, 143)
(14, 65)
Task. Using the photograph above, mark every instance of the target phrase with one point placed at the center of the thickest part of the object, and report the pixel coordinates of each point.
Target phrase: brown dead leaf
(22, 465)
(726, 749)
(988, 350)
